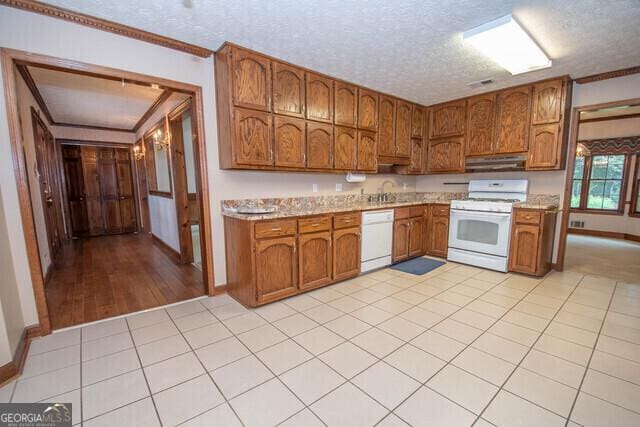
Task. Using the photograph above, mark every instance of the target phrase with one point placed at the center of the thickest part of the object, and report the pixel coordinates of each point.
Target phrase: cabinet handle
(276, 229)
(315, 225)
(346, 220)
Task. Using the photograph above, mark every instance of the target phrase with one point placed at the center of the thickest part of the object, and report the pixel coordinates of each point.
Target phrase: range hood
(496, 163)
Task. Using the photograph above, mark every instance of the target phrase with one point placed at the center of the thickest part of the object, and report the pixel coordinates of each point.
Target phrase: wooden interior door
(108, 173)
(74, 184)
(47, 170)
(127, 201)
(276, 268)
(143, 193)
(315, 259)
(93, 196)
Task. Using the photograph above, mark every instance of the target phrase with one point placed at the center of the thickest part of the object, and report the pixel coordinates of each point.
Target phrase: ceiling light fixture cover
(508, 44)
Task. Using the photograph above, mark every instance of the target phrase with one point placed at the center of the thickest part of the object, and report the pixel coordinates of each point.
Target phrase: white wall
(82, 134)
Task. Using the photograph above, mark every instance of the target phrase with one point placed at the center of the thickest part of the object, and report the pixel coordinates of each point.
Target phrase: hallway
(107, 276)
(615, 258)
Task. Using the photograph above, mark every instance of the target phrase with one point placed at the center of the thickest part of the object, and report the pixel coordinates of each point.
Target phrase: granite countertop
(319, 205)
(326, 209)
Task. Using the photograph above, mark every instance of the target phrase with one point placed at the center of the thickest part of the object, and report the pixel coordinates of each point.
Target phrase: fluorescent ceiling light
(505, 42)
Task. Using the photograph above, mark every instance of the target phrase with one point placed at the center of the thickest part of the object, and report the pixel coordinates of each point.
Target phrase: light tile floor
(458, 346)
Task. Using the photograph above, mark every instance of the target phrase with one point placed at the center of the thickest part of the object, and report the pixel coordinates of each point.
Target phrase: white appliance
(480, 226)
(377, 239)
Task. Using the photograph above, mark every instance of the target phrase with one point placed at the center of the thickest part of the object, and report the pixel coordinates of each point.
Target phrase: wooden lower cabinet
(400, 240)
(437, 230)
(276, 268)
(314, 259)
(346, 253)
(416, 233)
(408, 233)
(532, 236)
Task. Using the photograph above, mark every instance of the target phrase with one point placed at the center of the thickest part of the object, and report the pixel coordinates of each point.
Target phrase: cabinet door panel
(125, 186)
(480, 125)
(346, 104)
(92, 190)
(108, 173)
(289, 142)
(448, 119)
(543, 147)
(367, 110)
(400, 240)
(346, 253)
(319, 146)
(75, 195)
(319, 98)
(523, 256)
(417, 122)
(446, 155)
(416, 162)
(547, 101)
(386, 131)
(276, 268)
(438, 236)
(345, 146)
(512, 133)
(251, 80)
(315, 259)
(288, 90)
(367, 156)
(416, 236)
(403, 129)
(253, 140)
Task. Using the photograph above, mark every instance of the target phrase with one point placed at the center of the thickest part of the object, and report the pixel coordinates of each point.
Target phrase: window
(598, 182)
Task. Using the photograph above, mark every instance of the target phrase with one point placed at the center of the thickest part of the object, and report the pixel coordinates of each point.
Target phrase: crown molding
(109, 26)
(608, 75)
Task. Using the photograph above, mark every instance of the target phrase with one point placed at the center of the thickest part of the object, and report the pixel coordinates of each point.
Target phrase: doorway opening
(111, 172)
(600, 232)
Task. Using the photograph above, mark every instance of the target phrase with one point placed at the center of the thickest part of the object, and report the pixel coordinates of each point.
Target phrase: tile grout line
(531, 347)
(593, 350)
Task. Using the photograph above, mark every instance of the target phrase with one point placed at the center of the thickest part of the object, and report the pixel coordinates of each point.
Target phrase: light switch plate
(338, 187)
(314, 188)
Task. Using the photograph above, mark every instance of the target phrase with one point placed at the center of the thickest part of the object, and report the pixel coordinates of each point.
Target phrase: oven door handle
(479, 214)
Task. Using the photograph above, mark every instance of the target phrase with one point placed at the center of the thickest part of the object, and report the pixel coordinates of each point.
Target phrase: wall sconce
(160, 139)
(138, 153)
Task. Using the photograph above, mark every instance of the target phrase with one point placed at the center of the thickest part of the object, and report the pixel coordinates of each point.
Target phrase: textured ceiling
(82, 100)
(409, 48)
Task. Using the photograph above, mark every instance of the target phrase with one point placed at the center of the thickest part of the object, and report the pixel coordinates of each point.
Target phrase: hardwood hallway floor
(102, 277)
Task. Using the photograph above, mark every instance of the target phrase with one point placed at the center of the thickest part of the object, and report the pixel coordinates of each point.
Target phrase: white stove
(480, 226)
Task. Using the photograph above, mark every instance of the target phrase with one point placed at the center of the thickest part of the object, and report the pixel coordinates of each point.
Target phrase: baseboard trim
(168, 249)
(13, 369)
(598, 233)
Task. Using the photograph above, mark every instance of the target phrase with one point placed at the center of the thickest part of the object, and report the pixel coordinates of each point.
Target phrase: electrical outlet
(314, 188)
(338, 187)
(404, 185)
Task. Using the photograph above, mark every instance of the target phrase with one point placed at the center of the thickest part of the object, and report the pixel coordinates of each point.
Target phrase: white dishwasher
(377, 239)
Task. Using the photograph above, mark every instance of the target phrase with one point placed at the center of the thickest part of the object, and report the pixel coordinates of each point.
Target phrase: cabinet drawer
(440, 210)
(275, 228)
(402, 213)
(346, 220)
(318, 223)
(528, 217)
(415, 211)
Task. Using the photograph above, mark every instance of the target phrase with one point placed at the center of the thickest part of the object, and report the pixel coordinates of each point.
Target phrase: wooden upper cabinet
(416, 163)
(288, 90)
(512, 123)
(314, 259)
(319, 146)
(289, 142)
(346, 104)
(345, 148)
(417, 121)
(403, 129)
(253, 141)
(547, 102)
(544, 147)
(367, 109)
(480, 125)
(446, 155)
(276, 268)
(251, 80)
(319, 98)
(346, 253)
(386, 130)
(367, 153)
(448, 119)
